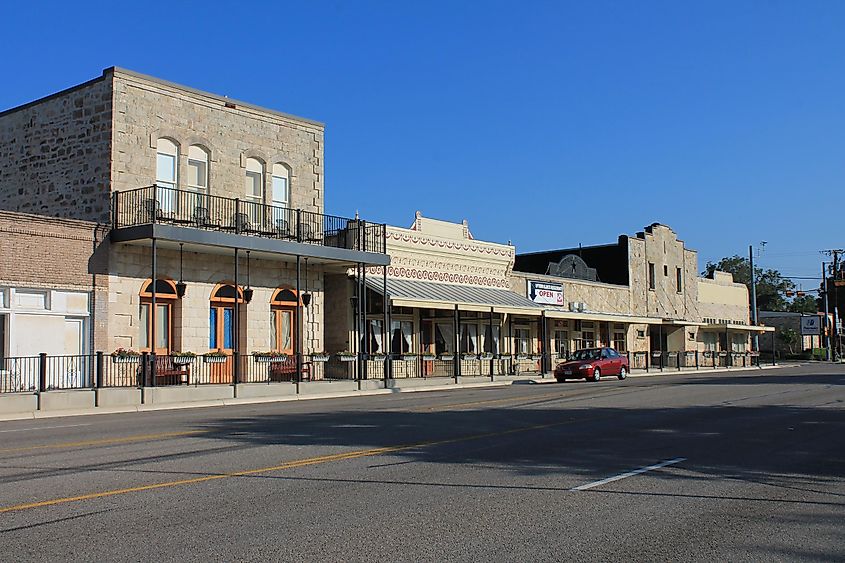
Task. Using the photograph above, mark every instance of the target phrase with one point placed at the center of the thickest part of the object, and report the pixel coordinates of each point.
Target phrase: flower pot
(447, 357)
(270, 359)
(429, 357)
(346, 358)
(215, 359)
(409, 357)
(182, 360)
(319, 358)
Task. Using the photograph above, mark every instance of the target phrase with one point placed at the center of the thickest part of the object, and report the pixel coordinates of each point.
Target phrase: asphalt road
(736, 466)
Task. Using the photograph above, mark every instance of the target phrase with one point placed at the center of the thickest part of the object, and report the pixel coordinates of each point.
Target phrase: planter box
(345, 358)
(469, 357)
(447, 357)
(409, 357)
(485, 357)
(378, 358)
(215, 359)
(125, 359)
(182, 360)
(319, 358)
(270, 359)
(429, 357)
(522, 357)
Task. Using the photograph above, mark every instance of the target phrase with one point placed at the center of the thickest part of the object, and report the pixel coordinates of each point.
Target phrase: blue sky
(545, 123)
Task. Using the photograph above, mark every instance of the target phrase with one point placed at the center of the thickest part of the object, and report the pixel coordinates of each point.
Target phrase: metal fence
(157, 204)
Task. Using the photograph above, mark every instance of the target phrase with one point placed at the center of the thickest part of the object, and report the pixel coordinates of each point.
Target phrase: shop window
(561, 343)
(619, 341)
(739, 342)
(3, 300)
(444, 338)
(375, 337)
(469, 339)
(221, 317)
(587, 340)
(283, 308)
(165, 296)
(491, 339)
(709, 340)
(522, 340)
(651, 280)
(402, 337)
(4, 319)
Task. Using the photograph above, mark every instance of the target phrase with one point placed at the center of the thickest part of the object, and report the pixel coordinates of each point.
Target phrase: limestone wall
(202, 272)
(146, 109)
(55, 154)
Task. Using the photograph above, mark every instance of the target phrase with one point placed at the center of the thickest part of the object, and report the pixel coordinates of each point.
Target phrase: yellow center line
(287, 465)
(106, 441)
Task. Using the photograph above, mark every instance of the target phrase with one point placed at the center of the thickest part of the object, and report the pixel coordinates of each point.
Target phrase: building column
(152, 318)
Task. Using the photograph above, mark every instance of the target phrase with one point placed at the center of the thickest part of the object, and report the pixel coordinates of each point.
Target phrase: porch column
(728, 358)
(773, 348)
(297, 329)
(510, 343)
(366, 331)
(152, 319)
(359, 325)
(493, 340)
(544, 350)
(457, 366)
(388, 364)
(236, 326)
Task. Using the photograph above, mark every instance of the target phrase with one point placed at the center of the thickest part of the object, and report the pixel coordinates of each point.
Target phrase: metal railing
(157, 204)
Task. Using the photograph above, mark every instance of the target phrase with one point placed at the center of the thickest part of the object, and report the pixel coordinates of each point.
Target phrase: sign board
(545, 293)
(811, 325)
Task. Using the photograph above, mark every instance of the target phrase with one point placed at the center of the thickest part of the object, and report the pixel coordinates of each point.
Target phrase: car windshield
(592, 354)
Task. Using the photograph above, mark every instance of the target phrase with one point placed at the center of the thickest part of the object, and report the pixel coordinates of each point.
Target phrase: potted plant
(215, 357)
(182, 358)
(125, 356)
(447, 356)
(321, 356)
(347, 356)
(269, 357)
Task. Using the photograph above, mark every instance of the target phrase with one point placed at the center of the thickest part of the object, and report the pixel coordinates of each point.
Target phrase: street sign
(811, 325)
(545, 293)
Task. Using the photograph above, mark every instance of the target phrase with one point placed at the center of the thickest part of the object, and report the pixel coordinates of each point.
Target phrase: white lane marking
(43, 428)
(639, 471)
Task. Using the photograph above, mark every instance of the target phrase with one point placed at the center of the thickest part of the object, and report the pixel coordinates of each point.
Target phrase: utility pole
(837, 347)
(828, 355)
(755, 343)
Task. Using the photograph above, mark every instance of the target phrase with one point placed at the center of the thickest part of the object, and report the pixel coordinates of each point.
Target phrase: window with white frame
(402, 337)
(280, 181)
(197, 169)
(444, 338)
(167, 177)
(522, 340)
(490, 343)
(375, 342)
(253, 190)
(561, 343)
(619, 340)
(739, 342)
(469, 338)
(709, 340)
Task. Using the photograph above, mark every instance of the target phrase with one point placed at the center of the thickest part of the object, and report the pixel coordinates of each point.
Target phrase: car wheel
(596, 375)
(623, 373)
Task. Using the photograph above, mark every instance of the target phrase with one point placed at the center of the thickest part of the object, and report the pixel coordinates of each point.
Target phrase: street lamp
(756, 340)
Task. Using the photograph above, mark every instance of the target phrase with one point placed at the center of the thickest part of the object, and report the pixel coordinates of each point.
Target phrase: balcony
(156, 205)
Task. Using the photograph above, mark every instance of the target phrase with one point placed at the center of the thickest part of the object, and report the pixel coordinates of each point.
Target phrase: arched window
(254, 181)
(221, 334)
(167, 180)
(283, 320)
(197, 169)
(280, 184)
(165, 296)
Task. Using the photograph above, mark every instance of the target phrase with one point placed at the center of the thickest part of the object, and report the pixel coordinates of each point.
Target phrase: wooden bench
(168, 373)
(286, 371)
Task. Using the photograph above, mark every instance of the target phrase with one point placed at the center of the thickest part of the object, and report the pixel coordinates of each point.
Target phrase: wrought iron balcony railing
(156, 204)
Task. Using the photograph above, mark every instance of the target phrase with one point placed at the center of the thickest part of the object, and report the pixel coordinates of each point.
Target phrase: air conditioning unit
(582, 307)
(573, 306)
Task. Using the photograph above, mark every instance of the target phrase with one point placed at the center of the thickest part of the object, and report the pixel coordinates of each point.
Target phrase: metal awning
(433, 295)
(598, 316)
(748, 328)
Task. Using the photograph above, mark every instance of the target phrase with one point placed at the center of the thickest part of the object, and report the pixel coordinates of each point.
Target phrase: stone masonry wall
(131, 266)
(146, 110)
(55, 154)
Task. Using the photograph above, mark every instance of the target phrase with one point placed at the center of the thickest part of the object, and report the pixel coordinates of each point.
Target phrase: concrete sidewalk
(82, 402)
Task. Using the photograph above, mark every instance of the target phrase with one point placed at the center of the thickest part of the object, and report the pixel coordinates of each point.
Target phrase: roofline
(58, 94)
(577, 248)
(225, 99)
(110, 71)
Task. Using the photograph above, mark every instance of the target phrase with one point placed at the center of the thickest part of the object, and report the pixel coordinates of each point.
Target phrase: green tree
(804, 304)
(789, 337)
(771, 285)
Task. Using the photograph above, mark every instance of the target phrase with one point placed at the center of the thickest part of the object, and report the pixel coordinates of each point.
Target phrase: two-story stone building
(220, 201)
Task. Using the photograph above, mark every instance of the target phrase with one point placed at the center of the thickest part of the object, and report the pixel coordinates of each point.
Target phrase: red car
(591, 364)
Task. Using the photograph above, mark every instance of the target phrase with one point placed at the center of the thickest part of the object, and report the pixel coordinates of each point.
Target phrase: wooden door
(282, 326)
(222, 339)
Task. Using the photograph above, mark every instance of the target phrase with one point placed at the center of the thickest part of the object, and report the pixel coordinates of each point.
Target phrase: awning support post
(544, 348)
(236, 323)
(492, 351)
(152, 318)
(388, 362)
(298, 327)
(457, 366)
